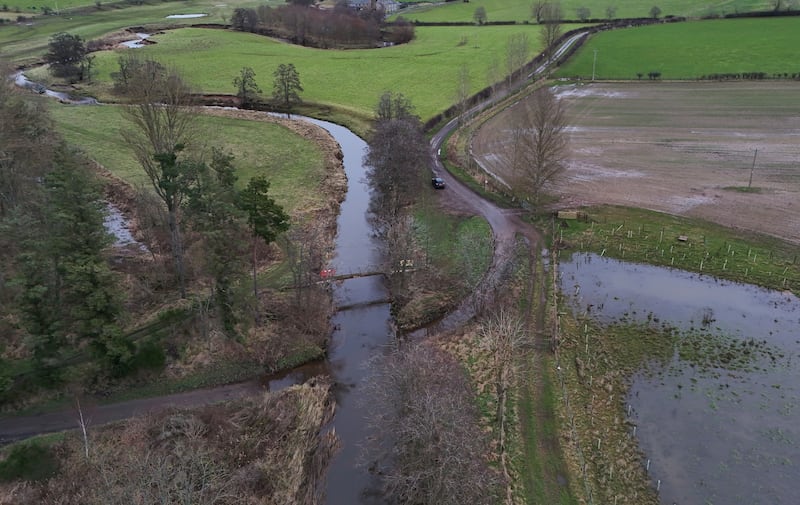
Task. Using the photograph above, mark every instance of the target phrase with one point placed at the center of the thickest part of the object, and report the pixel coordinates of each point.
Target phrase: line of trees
(341, 26)
(286, 88)
(56, 278)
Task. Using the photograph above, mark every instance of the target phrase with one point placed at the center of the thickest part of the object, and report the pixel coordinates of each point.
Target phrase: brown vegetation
(264, 450)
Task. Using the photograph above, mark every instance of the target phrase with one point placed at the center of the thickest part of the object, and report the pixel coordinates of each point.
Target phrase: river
(360, 333)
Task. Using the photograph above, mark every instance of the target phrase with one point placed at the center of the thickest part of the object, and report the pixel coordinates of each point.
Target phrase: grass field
(27, 42)
(520, 10)
(691, 50)
(425, 70)
(292, 164)
(67, 7)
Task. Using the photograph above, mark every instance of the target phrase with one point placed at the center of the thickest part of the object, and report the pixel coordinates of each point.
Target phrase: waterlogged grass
(425, 70)
(292, 164)
(660, 239)
(690, 50)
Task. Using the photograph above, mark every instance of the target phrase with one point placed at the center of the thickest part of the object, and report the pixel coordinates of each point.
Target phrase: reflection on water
(361, 333)
(713, 435)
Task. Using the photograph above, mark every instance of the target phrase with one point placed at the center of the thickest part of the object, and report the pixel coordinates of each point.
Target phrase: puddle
(138, 42)
(186, 16)
(117, 225)
(713, 432)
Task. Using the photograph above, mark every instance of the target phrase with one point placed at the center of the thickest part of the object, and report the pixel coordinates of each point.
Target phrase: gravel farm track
(682, 148)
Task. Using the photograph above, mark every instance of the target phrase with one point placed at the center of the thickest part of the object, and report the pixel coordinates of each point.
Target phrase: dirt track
(680, 148)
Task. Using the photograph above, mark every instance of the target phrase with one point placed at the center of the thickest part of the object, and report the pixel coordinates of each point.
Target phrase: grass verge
(650, 237)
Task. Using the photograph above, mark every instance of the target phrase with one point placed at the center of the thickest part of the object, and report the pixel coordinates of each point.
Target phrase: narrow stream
(360, 333)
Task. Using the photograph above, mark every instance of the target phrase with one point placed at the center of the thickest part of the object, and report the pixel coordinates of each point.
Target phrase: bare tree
(551, 17)
(480, 15)
(162, 121)
(611, 12)
(398, 154)
(536, 10)
(517, 51)
(493, 74)
(463, 86)
(435, 452)
(539, 146)
(27, 143)
(84, 420)
(583, 13)
(503, 336)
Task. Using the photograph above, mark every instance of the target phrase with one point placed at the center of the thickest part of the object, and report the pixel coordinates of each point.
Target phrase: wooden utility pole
(750, 183)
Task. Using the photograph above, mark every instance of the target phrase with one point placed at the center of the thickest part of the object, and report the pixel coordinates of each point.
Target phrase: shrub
(28, 461)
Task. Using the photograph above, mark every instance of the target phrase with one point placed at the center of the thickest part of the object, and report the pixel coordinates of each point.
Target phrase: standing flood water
(717, 433)
(361, 332)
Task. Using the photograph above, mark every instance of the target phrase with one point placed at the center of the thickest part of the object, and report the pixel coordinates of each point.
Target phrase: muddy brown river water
(713, 434)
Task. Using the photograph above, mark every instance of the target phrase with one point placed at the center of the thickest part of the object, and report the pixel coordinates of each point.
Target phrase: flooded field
(684, 148)
(718, 421)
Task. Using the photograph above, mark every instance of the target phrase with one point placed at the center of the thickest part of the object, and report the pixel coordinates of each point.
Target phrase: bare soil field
(680, 148)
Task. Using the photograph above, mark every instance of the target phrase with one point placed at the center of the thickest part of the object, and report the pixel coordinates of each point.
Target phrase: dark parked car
(437, 182)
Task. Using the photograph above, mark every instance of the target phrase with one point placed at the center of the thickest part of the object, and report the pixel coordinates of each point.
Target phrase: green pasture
(520, 10)
(26, 42)
(69, 7)
(425, 70)
(691, 50)
(293, 164)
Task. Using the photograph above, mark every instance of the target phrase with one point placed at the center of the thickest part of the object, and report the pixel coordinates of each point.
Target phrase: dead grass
(263, 450)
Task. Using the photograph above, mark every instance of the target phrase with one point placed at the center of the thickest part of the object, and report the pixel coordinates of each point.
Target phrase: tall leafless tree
(162, 121)
(398, 155)
(538, 151)
(551, 17)
(536, 10)
(435, 452)
(463, 86)
(518, 49)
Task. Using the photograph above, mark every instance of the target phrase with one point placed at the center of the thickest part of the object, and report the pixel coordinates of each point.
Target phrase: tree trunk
(255, 281)
(177, 250)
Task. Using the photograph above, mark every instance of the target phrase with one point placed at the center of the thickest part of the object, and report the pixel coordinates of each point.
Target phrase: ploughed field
(680, 148)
